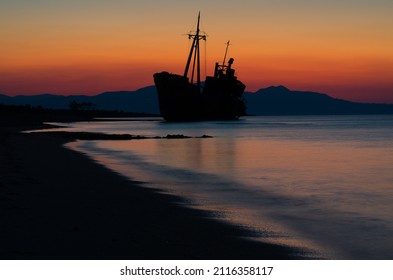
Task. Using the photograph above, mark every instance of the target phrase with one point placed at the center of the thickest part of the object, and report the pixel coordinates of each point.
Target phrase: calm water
(324, 183)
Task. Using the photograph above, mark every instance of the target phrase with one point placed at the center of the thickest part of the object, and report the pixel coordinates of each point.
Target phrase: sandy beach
(59, 204)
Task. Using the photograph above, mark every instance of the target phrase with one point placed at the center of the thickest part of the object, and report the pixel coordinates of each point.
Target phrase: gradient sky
(340, 47)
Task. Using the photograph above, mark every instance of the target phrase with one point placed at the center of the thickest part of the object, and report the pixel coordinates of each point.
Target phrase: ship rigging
(181, 99)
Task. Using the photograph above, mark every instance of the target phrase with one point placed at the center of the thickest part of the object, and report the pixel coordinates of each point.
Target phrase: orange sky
(343, 48)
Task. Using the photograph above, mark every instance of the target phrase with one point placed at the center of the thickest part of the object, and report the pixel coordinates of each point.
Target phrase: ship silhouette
(219, 97)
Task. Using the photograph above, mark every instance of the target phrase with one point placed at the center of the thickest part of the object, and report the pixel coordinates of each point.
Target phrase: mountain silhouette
(143, 100)
(274, 100)
(279, 100)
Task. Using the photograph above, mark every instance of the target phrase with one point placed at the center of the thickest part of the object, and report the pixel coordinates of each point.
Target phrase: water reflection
(334, 194)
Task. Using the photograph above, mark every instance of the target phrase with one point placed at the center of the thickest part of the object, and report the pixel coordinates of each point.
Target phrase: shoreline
(60, 204)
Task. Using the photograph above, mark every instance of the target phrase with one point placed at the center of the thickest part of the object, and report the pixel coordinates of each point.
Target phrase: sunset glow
(342, 48)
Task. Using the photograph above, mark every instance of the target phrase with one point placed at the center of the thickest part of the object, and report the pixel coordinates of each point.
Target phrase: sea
(322, 184)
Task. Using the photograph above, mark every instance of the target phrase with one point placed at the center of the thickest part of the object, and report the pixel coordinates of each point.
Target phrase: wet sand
(56, 203)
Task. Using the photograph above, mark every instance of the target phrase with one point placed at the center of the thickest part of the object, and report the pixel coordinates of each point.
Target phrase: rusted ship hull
(179, 100)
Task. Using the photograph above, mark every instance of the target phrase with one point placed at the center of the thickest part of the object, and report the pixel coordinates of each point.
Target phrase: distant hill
(275, 100)
(282, 101)
(143, 100)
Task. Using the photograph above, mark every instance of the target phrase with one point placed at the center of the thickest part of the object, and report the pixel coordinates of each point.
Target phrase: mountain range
(274, 100)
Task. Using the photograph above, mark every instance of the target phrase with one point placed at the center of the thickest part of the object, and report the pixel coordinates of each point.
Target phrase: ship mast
(226, 52)
(194, 52)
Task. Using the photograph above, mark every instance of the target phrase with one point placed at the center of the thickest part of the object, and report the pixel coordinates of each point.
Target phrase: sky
(340, 47)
